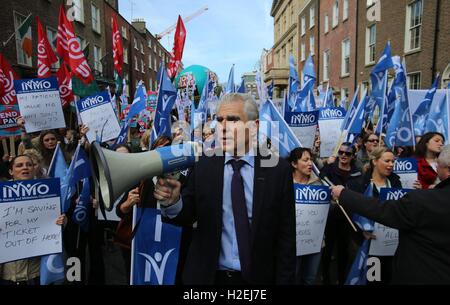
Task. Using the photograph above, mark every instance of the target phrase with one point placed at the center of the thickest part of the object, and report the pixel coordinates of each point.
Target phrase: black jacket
(273, 249)
(332, 172)
(423, 220)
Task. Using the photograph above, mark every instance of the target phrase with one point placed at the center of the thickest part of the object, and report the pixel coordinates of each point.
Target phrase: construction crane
(185, 20)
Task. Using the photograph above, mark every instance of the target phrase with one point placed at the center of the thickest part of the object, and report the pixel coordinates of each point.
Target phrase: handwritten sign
(98, 114)
(40, 103)
(311, 209)
(28, 211)
(8, 121)
(330, 122)
(407, 169)
(386, 242)
(304, 125)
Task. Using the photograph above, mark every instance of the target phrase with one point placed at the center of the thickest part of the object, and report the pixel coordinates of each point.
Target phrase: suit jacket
(422, 218)
(273, 225)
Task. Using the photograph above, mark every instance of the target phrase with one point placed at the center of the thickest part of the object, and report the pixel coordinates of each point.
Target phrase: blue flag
(329, 100)
(292, 86)
(122, 138)
(378, 77)
(230, 84)
(438, 117)
(351, 111)
(167, 96)
(58, 165)
(400, 131)
(242, 87)
(356, 124)
(81, 214)
(362, 222)
(358, 271)
(52, 269)
(139, 102)
(270, 90)
(156, 248)
(421, 115)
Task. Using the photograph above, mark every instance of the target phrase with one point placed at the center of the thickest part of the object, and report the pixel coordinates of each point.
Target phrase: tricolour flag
(23, 35)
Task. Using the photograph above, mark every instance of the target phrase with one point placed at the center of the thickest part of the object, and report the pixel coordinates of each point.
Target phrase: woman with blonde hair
(37, 161)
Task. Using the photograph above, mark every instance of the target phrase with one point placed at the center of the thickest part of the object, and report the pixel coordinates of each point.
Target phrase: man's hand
(336, 191)
(83, 130)
(167, 190)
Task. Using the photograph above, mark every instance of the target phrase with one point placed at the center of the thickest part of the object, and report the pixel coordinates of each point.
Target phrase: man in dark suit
(244, 209)
(423, 220)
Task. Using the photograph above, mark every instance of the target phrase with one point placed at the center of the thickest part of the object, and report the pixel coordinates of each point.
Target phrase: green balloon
(199, 74)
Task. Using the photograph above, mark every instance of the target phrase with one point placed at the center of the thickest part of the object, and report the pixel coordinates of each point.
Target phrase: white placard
(40, 104)
(28, 212)
(311, 210)
(98, 114)
(386, 241)
(304, 126)
(406, 169)
(330, 122)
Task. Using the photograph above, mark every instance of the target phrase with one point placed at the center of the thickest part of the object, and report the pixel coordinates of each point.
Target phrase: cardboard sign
(330, 122)
(407, 169)
(40, 103)
(304, 125)
(28, 211)
(8, 121)
(386, 242)
(98, 114)
(311, 210)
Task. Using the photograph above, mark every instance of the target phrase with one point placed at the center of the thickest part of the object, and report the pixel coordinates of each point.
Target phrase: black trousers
(227, 278)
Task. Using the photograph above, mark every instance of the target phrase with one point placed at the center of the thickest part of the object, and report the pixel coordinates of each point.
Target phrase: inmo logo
(36, 85)
(331, 113)
(311, 194)
(404, 165)
(92, 101)
(395, 195)
(22, 190)
(301, 119)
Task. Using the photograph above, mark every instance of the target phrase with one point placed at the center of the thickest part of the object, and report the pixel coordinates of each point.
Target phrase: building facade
(285, 14)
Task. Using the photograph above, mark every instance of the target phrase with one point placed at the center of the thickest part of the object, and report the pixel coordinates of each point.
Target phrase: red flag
(117, 45)
(178, 47)
(7, 77)
(46, 56)
(69, 49)
(65, 85)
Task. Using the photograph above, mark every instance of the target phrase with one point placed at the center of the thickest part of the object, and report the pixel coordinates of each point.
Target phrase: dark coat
(422, 218)
(273, 249)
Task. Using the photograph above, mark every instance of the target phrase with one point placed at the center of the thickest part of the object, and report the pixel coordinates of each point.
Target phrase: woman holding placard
(427, 152)
(24, 271)
(302, 164)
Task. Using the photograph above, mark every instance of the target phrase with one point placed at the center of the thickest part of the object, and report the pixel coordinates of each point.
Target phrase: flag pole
(5, 147)
(15, 31)
(12, 146)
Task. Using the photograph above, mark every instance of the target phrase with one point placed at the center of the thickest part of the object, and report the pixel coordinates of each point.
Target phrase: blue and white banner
(330, 122)
(304, 126)
(155, 249)
(386, 242)
(28, 212)
(40, 103)
(98, 114)
(407, 169)
(311, 210)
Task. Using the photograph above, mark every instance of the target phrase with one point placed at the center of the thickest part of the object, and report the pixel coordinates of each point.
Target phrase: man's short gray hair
(444, 156)
(250, 106)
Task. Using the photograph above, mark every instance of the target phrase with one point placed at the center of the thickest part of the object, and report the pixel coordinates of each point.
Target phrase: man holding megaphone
(244, 209)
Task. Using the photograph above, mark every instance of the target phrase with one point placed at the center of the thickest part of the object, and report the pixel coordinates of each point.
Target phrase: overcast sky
(229, 32)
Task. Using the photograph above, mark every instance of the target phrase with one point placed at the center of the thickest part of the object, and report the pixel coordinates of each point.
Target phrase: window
(150, 61)
(95, 18)
(371, 38)
(154, 47)
(142, 48)
(22, 57)
(345, 63)
(413, 26)
(160, 53)
(335, 13)
(292, 16)
(414, 80)
(124, 32)
(365, 87)
(135, 44)
(155, 67)
(150, 44)
(345, 10)
(370, 2)
(303, 52)
(78, 12)
(125, 55)
(326, 65)
(326, 24)
(344, 95)
(97, 59)
(150, 85)
(284, 57)
(82, 42)
(142, 66)
(311, 45)
(51, 35)
(284, 22)
(303, 25)
(136, 64)
(291, 46)
(127, 81)
(312, 16)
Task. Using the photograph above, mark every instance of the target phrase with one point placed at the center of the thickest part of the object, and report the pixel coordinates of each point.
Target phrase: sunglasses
(347, 153)
(373, 141)
(228, 118)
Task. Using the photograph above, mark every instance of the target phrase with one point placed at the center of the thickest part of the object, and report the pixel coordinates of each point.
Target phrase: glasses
(229, 118)
(373, 141)
(347, 153)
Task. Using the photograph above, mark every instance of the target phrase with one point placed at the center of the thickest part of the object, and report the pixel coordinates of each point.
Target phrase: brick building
(337, 45)
(418, 30)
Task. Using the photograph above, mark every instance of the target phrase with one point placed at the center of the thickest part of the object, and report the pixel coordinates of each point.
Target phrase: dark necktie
(241, 223)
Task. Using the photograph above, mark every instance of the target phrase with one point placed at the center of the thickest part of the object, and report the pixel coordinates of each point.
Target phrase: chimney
(139, 25)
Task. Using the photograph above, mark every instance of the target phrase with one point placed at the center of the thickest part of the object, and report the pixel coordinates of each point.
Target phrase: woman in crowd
(37, 161)
(302, 164)
(427, 152)
(23, 271)
(339, 171)
(370, 142)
